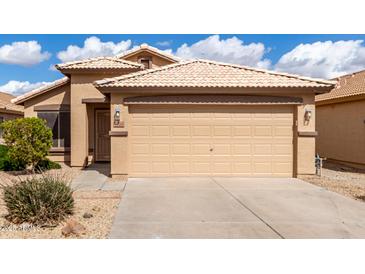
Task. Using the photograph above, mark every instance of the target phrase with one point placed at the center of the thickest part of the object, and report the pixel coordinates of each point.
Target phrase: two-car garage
(193, 140)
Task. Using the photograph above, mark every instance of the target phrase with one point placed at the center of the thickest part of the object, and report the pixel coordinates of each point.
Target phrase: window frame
(58, 127)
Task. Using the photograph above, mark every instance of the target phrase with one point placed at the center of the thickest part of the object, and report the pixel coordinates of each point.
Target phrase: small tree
(28, 139)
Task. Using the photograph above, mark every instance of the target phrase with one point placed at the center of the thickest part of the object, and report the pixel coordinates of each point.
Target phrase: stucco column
(306, 137)
(119, 138)
(79, 128)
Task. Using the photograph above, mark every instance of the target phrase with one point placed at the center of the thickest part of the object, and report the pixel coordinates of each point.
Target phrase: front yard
(344, 180)
(99, 206)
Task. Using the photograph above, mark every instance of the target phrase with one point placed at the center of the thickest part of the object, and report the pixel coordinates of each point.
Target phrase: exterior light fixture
(307, 115)
(117, 116)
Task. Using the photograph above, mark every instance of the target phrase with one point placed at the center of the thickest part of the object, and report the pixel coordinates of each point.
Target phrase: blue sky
(25, 65)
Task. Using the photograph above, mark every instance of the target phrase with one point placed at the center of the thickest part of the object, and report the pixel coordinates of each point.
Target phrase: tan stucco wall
(57, 96)
(9, 116)
(304, 147)
(119, 144)
(81, 88)
(341, 131)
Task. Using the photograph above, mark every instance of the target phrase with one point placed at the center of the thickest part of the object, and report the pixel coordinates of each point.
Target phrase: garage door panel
(242, 168)
(160, 166)
(239, 131)
(199, 131)
(140, 130)
(221, 149)
(261, 131)
(200, 167)
(283, 131)
(282, 149)
(160, 131)
(204, 140)
(179, 131)
(181, 149)
(138, 149)
(262, 149)
(160, 149)
(181, 167)
(241, 149)
(281, 168)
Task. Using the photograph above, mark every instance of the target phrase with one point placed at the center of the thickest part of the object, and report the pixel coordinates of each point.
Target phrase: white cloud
(324, 59)
(164, 43)
(23, 53)
(93, 47)
(18, 87)
(231, 50)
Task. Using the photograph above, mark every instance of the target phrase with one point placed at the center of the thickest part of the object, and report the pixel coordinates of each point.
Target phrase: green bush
(6, 163)
(28, 140)
(47, 164)
(3, 151)
(46, 200)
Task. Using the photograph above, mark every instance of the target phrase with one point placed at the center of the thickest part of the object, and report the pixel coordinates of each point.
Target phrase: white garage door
(202, 140)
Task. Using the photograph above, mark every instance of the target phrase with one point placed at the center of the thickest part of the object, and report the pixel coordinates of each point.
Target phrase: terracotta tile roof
(151, 49)
(58, 83)
(348, 85)
(204, 73)
(5, 103)
(213, 99)
(100, 63)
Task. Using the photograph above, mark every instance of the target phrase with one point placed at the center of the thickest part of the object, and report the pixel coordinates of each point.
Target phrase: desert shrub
(42, 200)
(46, 164)
(28, 140)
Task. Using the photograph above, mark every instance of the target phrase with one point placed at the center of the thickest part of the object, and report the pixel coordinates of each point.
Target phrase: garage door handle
(211, 149)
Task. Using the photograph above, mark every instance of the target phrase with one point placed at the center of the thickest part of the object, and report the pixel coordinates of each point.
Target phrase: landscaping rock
(96, 208)
(73, 227)
(87, 215)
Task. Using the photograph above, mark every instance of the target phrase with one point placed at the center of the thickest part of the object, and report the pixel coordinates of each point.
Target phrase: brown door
(102, 142)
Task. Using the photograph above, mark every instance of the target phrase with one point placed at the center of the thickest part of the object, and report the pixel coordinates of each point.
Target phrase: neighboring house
(341, 121)
(151, 114)
(8, 110)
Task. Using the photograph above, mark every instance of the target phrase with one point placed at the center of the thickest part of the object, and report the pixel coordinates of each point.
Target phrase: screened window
(60, 124)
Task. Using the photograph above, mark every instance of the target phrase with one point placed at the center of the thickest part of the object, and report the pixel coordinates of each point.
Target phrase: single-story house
(152, 114)
(8, 110)
(341, 121)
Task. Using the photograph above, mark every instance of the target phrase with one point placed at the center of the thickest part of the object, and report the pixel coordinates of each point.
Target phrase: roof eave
(23, 98)
(67, 71)
(342, 99)
(207, 90)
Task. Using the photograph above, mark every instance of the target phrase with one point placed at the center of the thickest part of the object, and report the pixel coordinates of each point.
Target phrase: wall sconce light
(117, 116)
(307, 116)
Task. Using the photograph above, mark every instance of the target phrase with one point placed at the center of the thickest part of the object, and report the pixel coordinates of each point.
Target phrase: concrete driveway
(235, 208)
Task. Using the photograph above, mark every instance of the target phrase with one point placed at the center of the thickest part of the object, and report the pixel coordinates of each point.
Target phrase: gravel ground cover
(344, 180)
(101, 205)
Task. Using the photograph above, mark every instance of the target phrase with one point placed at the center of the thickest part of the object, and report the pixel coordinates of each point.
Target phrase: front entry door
(102, 142)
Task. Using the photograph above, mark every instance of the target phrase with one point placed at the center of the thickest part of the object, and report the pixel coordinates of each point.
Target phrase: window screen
(65, 124)
(60, 124)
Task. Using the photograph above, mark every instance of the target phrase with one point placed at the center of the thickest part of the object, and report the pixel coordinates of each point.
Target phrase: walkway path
(95, 178)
